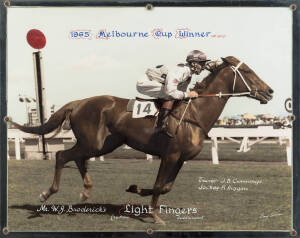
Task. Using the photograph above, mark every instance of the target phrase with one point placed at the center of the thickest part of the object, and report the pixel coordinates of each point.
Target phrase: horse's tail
(55, 121)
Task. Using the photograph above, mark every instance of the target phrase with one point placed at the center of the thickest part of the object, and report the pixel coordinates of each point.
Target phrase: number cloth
(143, 109)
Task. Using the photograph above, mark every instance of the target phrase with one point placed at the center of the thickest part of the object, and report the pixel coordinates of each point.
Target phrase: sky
(80, 68)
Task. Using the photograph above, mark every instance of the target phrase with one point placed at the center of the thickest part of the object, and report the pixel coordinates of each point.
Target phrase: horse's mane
(201, 86)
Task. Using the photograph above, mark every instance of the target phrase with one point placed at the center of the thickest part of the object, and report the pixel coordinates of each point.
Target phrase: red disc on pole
(36, 39)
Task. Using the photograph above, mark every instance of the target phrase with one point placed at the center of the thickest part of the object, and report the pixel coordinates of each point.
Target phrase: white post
(244, 145)
(214, 150)
(101, 158)
(17, 148)
(289, 152)
(246, 148)
(149, 157)
(280, 140)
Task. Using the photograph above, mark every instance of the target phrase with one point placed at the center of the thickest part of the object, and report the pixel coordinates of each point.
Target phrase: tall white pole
(40, 95)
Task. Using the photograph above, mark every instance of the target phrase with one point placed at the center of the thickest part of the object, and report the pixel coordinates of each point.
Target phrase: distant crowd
(276, 122)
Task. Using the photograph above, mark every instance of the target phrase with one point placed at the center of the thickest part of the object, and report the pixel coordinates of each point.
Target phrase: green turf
(221, 210)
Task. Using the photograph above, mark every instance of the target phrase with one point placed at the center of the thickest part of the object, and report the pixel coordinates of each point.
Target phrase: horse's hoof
(43, 197)
(83, 197)
(132, 189)
(160, 223)
(158, 220)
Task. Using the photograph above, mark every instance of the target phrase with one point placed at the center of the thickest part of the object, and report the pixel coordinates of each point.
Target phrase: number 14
(147, 108)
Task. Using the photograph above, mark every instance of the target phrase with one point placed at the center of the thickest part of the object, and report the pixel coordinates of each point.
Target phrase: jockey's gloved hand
(211, 65)
(192, 94)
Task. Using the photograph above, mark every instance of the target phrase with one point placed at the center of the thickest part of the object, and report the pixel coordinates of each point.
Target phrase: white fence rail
(241, 136)
(18, 136)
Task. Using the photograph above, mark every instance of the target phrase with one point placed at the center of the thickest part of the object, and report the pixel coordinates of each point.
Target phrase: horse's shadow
(111, 210)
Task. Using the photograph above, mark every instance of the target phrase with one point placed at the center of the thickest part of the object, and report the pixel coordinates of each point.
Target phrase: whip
(183, 115)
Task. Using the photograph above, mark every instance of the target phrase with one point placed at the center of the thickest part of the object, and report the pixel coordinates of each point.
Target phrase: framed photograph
(140, 119)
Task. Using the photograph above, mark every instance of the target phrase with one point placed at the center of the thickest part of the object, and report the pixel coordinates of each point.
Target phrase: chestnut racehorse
(101, 124)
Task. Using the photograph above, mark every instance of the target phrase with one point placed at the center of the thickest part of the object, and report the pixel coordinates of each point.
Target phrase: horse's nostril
(270, 91)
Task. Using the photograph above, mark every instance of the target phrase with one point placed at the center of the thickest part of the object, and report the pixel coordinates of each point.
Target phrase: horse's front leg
(168, 170)
(147, 192)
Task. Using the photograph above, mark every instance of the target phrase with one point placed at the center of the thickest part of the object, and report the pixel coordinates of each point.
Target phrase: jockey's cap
(196, 56)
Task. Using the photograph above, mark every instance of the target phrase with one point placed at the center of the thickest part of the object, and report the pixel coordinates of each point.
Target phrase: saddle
(158, 104)
(157, 101)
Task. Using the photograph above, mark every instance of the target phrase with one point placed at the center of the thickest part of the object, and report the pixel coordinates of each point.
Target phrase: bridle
(235, 69)
(220, 95)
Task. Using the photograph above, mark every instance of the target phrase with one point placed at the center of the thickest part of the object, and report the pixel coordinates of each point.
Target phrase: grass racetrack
(229, 196)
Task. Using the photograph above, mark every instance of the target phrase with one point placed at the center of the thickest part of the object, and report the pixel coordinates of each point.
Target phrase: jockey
(170, 86)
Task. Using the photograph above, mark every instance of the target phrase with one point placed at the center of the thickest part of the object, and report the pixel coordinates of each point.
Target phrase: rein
(193, 122)
(220, 94)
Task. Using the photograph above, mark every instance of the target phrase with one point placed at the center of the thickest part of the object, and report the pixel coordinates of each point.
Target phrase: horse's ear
(224, 59)
(229, 60)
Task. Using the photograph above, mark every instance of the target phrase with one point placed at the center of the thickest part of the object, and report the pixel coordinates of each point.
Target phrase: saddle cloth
(143, 107)
(130, 105)
(157, 102)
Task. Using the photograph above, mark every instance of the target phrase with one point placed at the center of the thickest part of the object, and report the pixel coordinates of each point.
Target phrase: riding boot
(162, 122)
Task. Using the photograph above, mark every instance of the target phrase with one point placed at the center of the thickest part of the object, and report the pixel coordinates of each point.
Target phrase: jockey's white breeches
(151, 88)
